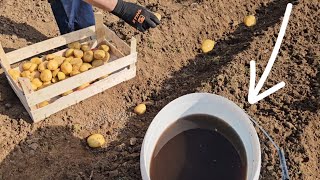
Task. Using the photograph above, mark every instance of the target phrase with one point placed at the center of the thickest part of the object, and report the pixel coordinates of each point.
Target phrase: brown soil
(170, 65)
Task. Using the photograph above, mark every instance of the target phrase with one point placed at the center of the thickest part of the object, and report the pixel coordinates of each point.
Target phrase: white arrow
(254, 95)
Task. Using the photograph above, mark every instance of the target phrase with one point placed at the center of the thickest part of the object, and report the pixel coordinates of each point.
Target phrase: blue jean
(72, 15)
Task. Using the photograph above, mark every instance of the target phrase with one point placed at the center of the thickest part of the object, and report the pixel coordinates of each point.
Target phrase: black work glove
(137, 16)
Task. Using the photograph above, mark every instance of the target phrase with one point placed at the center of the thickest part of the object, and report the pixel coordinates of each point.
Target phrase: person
(72, 15)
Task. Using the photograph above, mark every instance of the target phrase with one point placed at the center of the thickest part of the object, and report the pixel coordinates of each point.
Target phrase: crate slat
(44, 46)
(100, 30)
(121, 45)
(78, 80)
(78, 96)
(4, 59)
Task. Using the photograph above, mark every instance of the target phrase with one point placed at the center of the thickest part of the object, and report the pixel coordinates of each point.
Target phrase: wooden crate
(121, 67)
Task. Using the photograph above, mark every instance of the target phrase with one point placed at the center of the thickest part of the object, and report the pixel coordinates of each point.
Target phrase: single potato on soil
(140, 109)
(96, 140)
(207, 45)
(250, 20)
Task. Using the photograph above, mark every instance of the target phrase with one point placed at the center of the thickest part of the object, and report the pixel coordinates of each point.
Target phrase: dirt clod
(113, 173)
(34, 146)
(8, 105)
(133, 141)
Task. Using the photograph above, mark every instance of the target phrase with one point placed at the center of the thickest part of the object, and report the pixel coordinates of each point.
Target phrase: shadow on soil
(10, 104)
(185, 81)
(311, 104)
(21, 30)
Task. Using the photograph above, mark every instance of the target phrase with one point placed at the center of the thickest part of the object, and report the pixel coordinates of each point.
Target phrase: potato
(15, 74)
(97, 63)
(61, 76)
(83, 86)
(43, 104)
(35, 74)
(207, 45)
(67, 93)
(74, 45)
(250, 20)
(26, 74)
(104, 47)
(76, 61)
(158, 15)
(85, 67)
(78, 53)
(75, 72)
(46, 75)
(96, 140)
(36, 60)
(66, 68)
(140, 109)
(33, 67)
(69, 53)
(55, 72)
(52, 65)
(85, 48)
(59, 60)
(45, 84)
(26, 66)
(106, 58)
(34, 87)
(99, 54)
(54, 80)
(88, 56)
(76, 67)
(50, 57)
(68, 59)
(37, 82)
(32, 74)
(42, 66)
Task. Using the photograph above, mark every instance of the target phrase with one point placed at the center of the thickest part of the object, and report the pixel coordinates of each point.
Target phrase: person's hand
(137, 16)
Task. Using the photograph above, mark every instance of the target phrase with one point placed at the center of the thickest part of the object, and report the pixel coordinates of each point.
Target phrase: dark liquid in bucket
(205, 149)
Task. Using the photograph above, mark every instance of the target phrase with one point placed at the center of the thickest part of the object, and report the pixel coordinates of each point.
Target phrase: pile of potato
(50, 69)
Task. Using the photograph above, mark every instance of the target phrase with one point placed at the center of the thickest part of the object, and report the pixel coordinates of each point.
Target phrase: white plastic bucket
(203, 103)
